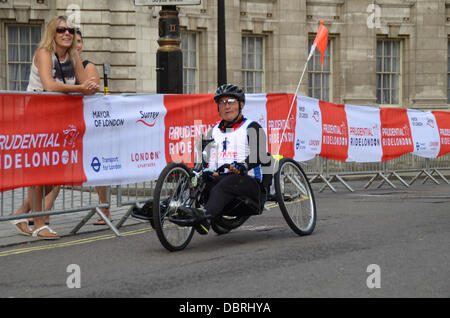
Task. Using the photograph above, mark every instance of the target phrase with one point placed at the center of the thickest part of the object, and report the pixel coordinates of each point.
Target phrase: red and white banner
(41, 140)
(308, 129)
(124, 139)
(443, 126)
(364, 131)
(111, 140)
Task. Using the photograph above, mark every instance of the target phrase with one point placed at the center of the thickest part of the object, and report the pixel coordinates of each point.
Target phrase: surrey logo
(148, 118)
(316, 116)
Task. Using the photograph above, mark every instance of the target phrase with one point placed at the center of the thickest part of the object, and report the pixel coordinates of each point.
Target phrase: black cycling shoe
(202, 227)
(187, 216)
(144, 213)
(181, 219)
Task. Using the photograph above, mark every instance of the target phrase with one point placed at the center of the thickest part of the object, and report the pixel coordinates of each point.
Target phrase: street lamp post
(221, 44)
(169, 58)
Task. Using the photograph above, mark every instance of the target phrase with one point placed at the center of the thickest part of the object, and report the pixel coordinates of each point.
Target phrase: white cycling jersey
(230, 146)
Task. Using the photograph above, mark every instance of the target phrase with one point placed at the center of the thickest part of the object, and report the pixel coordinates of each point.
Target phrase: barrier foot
(344, 183)
(385, 179)
(89, 216)
(327, 184)
(429, 176)
(83, 222)
(367, 185)
(313, 178)
(440, 175)
(416, 177)
(107, 221)
(382, 176)
(400, 179)
(124, 217)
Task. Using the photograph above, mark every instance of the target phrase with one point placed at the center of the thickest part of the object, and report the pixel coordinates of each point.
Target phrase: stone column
(358, 56)
(430, 89)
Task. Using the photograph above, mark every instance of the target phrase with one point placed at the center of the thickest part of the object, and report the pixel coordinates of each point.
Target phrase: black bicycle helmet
(229, 90)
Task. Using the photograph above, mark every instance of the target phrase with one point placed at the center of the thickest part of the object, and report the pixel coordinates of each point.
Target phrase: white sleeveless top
(67, 68)
(232, 146)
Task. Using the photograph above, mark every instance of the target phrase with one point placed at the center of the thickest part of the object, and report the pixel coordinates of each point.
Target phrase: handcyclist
(239, 142)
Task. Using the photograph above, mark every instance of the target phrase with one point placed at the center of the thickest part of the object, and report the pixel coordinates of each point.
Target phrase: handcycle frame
(185, 186)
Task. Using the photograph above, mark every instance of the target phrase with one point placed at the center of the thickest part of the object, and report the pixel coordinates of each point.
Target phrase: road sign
(166, 2)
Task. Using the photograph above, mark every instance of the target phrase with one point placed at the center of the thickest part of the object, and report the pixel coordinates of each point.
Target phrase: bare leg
(49, 200)
(25, 208)
(37, 193)
(102, 194)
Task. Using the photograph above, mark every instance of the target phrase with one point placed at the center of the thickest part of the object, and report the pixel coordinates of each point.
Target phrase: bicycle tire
(295, 197)
(219, 230)
(171, 188)
(224, 224)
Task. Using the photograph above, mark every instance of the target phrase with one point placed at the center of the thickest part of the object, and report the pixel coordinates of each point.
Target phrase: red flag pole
(321, 34)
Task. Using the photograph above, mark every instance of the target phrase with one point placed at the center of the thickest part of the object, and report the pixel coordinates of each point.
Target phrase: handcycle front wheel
(171, 191)
(295, 197)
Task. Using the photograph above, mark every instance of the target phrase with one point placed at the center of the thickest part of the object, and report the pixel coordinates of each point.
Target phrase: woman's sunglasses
(63, 30)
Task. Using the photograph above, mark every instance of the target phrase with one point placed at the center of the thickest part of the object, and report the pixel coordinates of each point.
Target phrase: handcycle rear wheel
(171, 191)
(295, 197)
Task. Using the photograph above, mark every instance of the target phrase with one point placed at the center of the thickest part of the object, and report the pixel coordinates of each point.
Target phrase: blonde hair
(48, 40)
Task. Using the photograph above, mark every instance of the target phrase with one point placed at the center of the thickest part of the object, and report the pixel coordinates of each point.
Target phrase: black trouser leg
(225, 188)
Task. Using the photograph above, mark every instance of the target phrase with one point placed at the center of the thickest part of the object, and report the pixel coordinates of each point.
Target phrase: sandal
(100, 222)
(53, 235)
(17, 223)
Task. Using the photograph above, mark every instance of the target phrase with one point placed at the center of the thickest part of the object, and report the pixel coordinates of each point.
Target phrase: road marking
(105, 237)
(73, 243)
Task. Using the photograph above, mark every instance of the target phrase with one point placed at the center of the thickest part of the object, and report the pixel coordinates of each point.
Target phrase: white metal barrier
(406, 169)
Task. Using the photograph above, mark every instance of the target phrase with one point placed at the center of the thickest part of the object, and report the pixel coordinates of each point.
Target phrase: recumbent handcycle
(179, 185)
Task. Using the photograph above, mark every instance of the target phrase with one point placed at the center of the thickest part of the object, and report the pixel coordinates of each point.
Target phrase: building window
(252, 64)
(22, 42)
(388, 71)
(190, 68)
(319, 77)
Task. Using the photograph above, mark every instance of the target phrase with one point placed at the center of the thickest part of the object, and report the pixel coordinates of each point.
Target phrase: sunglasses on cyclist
(63, 30)
(229, 101)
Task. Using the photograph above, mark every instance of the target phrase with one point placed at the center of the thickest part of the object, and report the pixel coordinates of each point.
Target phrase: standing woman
(56, 67)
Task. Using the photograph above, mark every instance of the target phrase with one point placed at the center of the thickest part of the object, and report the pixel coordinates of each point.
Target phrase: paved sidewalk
(63, 224)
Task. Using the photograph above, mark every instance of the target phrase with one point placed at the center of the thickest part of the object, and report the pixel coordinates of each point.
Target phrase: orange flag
(320, 42)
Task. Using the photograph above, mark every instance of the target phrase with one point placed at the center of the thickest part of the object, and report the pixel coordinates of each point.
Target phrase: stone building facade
(381, 52)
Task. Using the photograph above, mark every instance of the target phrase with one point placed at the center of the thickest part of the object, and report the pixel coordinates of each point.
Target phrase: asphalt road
(376, 243)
